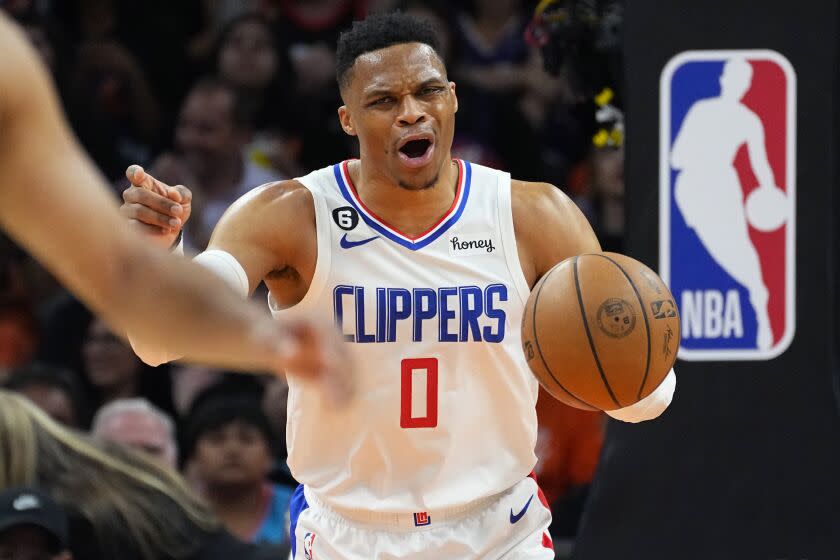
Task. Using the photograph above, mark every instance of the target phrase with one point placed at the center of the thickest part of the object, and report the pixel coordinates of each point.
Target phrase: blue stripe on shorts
(296, 506)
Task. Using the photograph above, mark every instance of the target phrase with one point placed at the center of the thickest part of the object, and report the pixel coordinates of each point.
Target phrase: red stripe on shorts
(540, 494)
(547, 542)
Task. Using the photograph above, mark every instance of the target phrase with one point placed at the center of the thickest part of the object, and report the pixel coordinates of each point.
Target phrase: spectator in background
(120, 504)
(229, 444)
(494, 68)
(138, 424)
(19, 333)
(155, 32)
(32, 526)
(65, 321)
(115, 372)
(22, 278)
(246, 56)
(49, 41)
(308, 30)
(598, 183)
(211, 135)
(54, 390)
(112, 108)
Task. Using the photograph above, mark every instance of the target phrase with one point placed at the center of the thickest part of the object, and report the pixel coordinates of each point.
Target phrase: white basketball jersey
(445, 408)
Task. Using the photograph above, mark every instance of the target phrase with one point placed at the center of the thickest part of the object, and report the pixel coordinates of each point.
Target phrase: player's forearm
(203, 318)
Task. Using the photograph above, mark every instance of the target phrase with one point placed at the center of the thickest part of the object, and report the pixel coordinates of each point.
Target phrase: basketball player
(425, 262)
(708, 190)
(54, 202)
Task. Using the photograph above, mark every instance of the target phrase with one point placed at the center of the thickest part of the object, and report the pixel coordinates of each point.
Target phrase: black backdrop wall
(746, 462)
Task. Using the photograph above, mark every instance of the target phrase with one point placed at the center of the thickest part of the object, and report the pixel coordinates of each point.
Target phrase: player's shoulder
(286, 203)
(530, 200)
(288, 196)
(549, 226)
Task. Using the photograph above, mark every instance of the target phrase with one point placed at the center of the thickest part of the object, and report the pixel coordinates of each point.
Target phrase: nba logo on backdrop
(727, 201)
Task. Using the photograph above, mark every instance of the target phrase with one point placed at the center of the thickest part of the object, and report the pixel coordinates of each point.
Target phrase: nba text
(459, 313)
(711, 314)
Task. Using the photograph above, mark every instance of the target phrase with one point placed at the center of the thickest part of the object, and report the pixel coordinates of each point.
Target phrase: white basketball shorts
(512, 525)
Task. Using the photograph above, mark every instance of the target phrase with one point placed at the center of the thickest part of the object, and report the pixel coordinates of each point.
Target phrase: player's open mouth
(416, 150)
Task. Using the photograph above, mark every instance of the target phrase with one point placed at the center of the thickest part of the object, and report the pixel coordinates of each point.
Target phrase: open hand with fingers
(157, 209)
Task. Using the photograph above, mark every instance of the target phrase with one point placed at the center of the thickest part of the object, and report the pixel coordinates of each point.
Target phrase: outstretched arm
(550, 228)
(55, 204)
(270, 230)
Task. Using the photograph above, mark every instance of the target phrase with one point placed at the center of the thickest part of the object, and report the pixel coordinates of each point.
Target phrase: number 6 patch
(346, 217)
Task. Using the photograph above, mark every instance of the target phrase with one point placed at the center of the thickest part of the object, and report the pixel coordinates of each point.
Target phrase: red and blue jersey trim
(462, 193)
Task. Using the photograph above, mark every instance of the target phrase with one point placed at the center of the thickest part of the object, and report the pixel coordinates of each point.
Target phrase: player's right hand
(155, 208)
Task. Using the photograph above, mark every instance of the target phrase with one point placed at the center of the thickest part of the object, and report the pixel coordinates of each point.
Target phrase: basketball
(600, 331)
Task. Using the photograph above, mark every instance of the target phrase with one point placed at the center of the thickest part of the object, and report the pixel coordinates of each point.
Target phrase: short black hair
(222, 404)
(380, 31)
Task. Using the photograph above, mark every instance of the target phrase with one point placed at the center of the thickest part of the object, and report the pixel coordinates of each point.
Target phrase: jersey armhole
(509, 237)
(322, 261)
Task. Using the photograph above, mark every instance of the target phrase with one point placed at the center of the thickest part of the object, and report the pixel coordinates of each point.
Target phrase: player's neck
(411, 211)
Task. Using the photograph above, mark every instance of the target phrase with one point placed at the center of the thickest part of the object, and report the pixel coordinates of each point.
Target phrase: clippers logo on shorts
(422, 518)
(727, 201)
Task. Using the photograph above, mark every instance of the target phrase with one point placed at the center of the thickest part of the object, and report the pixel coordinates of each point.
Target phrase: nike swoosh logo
(518, 516)
(347, 244)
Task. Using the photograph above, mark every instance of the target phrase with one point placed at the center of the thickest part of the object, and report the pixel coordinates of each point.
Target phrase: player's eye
(381, 101)
(429, 90)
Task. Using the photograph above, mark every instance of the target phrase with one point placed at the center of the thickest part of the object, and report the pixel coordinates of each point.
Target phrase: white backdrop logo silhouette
(727, 201)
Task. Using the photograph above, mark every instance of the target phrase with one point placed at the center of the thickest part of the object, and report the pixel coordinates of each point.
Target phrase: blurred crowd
(222, 96)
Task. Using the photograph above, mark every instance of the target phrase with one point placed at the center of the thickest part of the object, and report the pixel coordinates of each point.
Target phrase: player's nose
(411, 111)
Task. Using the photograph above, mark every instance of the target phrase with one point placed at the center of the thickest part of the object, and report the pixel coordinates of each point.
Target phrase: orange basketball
(600, 331)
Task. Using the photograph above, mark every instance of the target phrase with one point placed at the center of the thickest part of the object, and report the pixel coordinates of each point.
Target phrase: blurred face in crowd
(206, 132)
(110, 363)
(53, 401)
(248, 58)
(142, 431)
(608, 171)
(402, 107)
(26, 542)
(234, 454)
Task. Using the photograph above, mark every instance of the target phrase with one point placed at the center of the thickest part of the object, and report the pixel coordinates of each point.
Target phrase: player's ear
(346, 121)
(454, 96)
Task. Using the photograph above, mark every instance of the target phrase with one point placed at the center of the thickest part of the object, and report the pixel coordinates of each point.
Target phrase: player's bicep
(255, 231)
(550, 228)
(569, 227)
